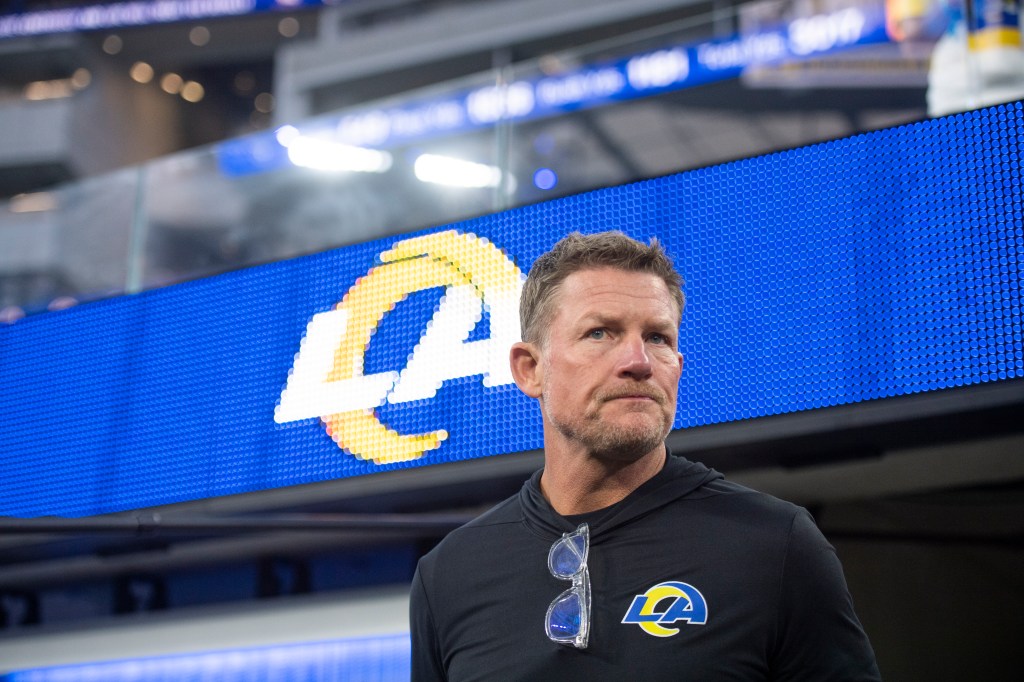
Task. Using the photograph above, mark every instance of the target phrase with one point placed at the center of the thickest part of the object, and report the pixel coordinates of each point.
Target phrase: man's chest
(660, 615)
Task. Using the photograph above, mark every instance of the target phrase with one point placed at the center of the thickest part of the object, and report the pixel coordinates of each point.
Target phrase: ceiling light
(141, 72)
(55, 89)
(81, 78)
(264, 103)
(199, 36)
(171, 83)
(325, 155)
(288, 27)
(112, 44)
(445, 170)
(545, 178)
(192, 92)
(33, 202)
(11, 314)
(286, 135)
(62, 303)
(37, 91)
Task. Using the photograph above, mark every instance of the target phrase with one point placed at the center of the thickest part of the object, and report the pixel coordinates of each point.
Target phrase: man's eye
(658, 338)
(596, 334)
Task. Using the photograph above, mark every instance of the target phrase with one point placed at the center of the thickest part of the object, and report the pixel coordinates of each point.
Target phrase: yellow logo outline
(443, 259)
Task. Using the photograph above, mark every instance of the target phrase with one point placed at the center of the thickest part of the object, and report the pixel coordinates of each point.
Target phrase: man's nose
(634, 362)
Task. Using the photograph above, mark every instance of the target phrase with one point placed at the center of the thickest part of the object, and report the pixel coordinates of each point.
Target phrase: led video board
(381, 659)
(879, 265)
(77, 17)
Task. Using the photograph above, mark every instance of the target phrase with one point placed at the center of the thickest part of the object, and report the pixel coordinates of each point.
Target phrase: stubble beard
(608, 440)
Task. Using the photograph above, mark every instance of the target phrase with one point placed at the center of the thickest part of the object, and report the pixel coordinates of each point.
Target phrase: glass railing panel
(707, 89)
(323, 183)
(66, 245)
(714, 88)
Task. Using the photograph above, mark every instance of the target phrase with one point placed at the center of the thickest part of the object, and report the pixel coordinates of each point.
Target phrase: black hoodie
(755, 569)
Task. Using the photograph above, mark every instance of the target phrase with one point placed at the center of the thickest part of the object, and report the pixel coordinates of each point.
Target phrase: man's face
(609, 368)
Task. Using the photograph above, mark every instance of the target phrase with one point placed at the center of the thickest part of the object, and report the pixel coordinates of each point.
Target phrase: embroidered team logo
(665, 604)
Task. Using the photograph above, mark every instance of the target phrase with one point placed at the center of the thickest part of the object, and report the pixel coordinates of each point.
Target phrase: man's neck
(578, 482)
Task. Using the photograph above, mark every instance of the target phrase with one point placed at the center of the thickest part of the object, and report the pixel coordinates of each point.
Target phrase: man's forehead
(603, 280)
(588, 293)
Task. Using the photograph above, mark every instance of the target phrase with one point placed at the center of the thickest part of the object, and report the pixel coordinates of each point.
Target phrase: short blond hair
(577, 252)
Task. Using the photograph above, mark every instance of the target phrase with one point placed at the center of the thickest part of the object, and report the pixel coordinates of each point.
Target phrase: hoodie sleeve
(426, 653)
(818, 636)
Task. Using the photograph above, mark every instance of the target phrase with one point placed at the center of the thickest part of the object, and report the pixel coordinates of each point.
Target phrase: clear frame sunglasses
(568, 618)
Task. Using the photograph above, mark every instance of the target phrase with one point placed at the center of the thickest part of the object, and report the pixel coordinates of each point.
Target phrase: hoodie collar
(678, 478)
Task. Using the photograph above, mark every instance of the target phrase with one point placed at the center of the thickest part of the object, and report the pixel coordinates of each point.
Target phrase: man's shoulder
(505, 512)
(750, 502)
(690, 481)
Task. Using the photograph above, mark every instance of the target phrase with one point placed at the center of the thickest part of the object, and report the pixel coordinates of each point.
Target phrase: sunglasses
(568, 618)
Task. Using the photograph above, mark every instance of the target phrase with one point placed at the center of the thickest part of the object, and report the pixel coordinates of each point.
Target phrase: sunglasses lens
(567, 556)
(565, 616)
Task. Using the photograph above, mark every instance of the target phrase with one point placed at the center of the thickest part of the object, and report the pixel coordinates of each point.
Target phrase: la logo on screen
(327, 379)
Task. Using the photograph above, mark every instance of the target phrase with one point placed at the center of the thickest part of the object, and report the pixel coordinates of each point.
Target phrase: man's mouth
(634, 396)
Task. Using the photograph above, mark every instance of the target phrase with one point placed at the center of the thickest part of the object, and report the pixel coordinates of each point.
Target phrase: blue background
(879, 265)
(371, 659)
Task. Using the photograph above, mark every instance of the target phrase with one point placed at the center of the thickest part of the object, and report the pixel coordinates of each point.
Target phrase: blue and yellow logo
(327, 378)
(667, 603)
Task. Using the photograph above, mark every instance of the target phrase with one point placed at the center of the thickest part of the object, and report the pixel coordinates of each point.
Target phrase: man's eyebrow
(600, 318)
(596, 317)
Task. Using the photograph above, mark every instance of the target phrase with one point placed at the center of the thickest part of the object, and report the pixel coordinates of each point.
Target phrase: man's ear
(524, 358)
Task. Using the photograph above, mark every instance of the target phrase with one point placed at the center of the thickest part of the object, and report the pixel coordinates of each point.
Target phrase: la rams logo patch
(665, 604)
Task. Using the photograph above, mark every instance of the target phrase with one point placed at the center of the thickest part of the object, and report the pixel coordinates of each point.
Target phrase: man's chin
(628, 445)
(617, 436)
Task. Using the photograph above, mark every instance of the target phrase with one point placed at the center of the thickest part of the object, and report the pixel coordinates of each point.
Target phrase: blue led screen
(128, 13)
(383, 658)
(879, 265)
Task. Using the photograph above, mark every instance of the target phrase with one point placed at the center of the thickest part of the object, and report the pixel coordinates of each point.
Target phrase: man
(619, 561)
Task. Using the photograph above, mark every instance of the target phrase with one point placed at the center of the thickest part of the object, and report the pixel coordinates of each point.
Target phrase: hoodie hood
(679, 478)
